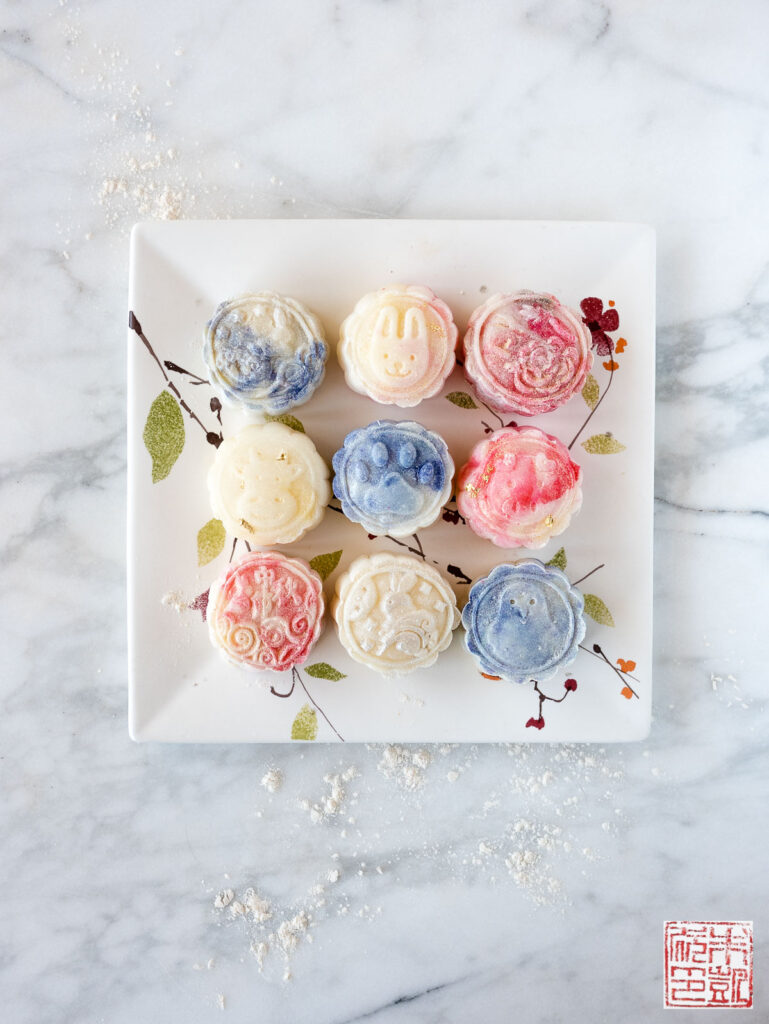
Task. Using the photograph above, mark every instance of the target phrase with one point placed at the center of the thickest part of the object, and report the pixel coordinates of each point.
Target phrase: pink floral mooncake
(526, 353)
(519, 488)
(266, 611)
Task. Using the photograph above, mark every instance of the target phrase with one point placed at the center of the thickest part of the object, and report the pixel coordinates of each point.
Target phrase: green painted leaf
(558, 560)
(305, 725)
(591, 391)
(163, 435)
(288, 419)
(322, 670)
(324, 565)
(596, 609)
(462, 399)
(603, 444)
(211, 538)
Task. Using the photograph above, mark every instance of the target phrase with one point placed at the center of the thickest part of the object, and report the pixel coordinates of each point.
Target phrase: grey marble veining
(113, 852)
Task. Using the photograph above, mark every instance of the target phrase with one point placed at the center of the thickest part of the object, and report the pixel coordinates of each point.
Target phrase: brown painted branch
(543, 697)
(136, 327)
(595, 407)
(601, 566)
(494, 414)
(315, 705)
(186, 408)
(408, 547)
(175, 368)
(454, 511)
(284, 695)
(624, 676)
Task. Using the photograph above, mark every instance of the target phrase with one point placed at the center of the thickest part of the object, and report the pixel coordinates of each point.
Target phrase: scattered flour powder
(332, 803)
(405, 765)
(524, 832)
(272, 780)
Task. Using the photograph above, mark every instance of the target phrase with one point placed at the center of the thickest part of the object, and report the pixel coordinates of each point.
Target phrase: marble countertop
(435, 884)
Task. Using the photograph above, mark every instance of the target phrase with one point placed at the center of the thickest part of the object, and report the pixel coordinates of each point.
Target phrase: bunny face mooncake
(268, 484)
(526, 353)
(266, 611)
(398, 345)
(394, 613)
(265, 351)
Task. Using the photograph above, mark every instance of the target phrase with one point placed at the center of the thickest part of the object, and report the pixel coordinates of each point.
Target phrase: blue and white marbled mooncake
(524, 621)
(265, 351)
(393, 477)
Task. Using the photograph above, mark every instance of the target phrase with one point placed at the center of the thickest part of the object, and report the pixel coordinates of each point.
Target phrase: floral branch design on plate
(596, 608)
(569, 686)
(305, 723)
(164, 433)
(539, 722)
(624, 672)
(602, 323)
(463, 400)
(417, 548)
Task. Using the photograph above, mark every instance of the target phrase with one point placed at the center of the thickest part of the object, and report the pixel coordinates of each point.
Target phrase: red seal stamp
(708, 963)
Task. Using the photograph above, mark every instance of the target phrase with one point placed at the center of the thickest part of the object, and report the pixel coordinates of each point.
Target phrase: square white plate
(179, 687)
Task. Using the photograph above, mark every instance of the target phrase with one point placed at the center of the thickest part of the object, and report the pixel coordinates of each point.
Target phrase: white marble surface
(111, 852)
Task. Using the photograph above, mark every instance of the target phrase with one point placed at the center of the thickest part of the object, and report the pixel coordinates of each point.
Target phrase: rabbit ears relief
(179, 687)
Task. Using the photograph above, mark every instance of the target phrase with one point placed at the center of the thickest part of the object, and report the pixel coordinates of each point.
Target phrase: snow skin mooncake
(265, 352)
(268, 484)
(394, 613)
(398, 345)
(526, 353)
(519, 487)
(393, 477)
(524, 621)
(266, 611)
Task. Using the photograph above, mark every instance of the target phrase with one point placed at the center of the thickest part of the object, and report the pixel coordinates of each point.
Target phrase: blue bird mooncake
(524, 621)
(393, 477)
(265, 351)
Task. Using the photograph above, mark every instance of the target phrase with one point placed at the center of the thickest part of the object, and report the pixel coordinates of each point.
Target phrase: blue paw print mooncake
(393, 477)
(524, 621)
(265, 351)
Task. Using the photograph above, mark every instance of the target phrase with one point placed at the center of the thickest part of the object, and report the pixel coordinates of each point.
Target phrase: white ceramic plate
(179, 687)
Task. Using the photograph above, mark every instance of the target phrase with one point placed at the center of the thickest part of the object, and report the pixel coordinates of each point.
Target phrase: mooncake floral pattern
(266, 611)
(265, 351)
(526, 353)
(519, 488)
